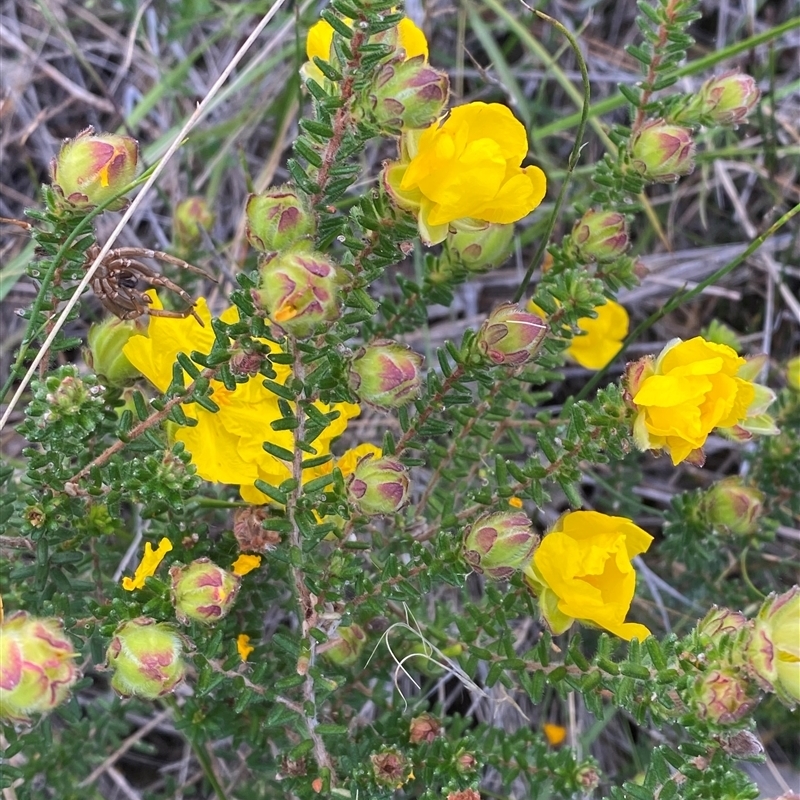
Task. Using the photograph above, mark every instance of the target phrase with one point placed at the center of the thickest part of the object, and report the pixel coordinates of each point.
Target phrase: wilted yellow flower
(582, 570)
(226, 446)
(555, 734)
(467, 166)
(148, 565)
(243, 646)
(245, 563)
(602, 337)
(320, 38)
(692, 388)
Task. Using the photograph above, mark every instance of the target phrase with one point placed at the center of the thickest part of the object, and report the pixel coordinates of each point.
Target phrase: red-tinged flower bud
(37, 666)
(424, 728)
(278, 219)
(466, 762)
(497, 545)
(773, 651)
(510, 336)
(662, 152)
(104, 354)
(91, 169)
(407, 94)
(719, 623)
(191, 217)
(202, 591)
(478, 246)
(464, 794)
(733, 507)
(344, 648)
(600, 235)
(378, 486)
(146, 657)
(390, 768)
(386, 374)
(723, 696)
(588, 778)
(636, 373)
(299, 291)
(728, 98)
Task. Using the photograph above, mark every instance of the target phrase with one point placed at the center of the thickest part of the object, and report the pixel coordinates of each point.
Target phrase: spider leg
(164, 312)
(160, 255)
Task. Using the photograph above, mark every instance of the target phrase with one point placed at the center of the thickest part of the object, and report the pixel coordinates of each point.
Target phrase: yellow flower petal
(148, 565)
(245, 563)
(602, 336)
(243, 646)
(555, 734)
(347, 462)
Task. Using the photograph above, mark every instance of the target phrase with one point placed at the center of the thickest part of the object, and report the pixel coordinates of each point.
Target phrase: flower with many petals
(582, 570)
(692, 388)
(226, 446)
(148, 565)
(465, 166)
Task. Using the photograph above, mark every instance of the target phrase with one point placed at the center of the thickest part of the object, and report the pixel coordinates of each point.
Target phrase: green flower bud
(793, 374)
(722, 696)
(497, 545)
(191, 217)
(378, 486)
(478, 246)
(146, 657)
(386, 374)
(390, 768)
(104, 355)
(278, 219)
(91, 169)
(662, 152)
(344, 648)
(299, 291)
(407, 94)
(37, 666)
(773, 650)
(727, 99)
(202, 591)
(732, 507)
(600, 235)
(511, 336)
(720, 623)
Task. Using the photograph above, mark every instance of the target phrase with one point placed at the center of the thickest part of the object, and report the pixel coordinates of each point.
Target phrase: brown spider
(117, 277)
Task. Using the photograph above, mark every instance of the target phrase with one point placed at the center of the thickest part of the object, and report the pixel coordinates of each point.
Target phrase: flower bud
(510, 336)
(464, 794)
(636, 373)
(662, 152)
(378, 486)
(278, 219)
(345, 647)
(104, 355)
(424, 728)
(91, 169)
(719, 623)
(499, 544)
(600, 235)
(37, 666)
(390, 768)
(299, 291)
(773, 650)
(722, 696)
(587, 777)
(191, 217)
(466, 762)
(793, 374)
(478, 246)
(407, 94)
(146, 657)
(732, 507)
(728, 98)
(386, 374)
(202, 591)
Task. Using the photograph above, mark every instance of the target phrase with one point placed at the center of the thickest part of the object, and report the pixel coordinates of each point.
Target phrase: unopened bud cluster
(662, 152)
(510, 336)
(600, 236)
(202, 591)
(733, 507)
(386, 374)
(378, 486)
(498, 545)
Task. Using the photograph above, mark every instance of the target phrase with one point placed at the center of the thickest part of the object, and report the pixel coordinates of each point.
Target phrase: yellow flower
(692, 388)
(515, 502)
(243, 646)
(555, 734)
(582, 570)
(348, 460)
(602, 337)
(320, 38)
(245, 563)
(226, 446)
(467, 166)
(148, 566)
